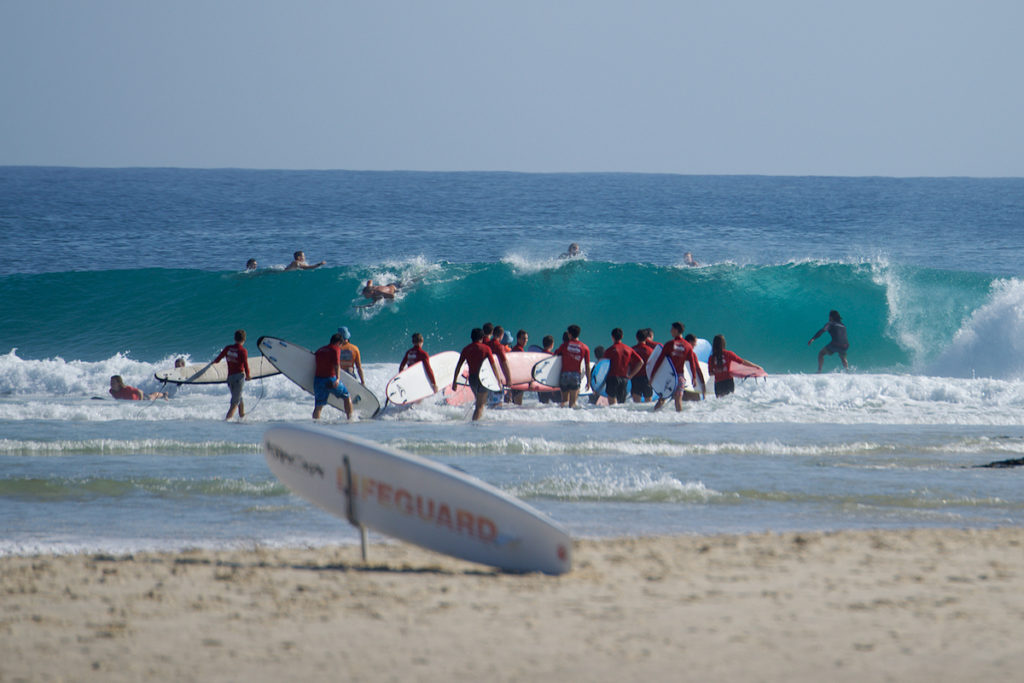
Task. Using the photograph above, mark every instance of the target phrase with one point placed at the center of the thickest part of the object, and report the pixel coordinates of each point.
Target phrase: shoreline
(907, 605)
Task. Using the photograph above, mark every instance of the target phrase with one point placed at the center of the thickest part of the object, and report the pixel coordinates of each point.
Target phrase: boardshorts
(642, 385)
(236, 383)
(616, 388)
(323, 387)
(569, 381)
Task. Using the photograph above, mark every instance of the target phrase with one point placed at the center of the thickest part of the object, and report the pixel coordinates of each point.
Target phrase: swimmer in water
(377, 292)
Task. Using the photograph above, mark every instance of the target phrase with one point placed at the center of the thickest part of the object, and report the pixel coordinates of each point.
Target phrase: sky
(782, 87)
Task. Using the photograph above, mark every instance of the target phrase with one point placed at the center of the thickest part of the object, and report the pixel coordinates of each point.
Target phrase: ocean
(120, 271)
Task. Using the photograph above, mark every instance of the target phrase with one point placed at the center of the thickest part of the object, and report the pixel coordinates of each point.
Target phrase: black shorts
(616, 387)
(642, 385)
(724, 387)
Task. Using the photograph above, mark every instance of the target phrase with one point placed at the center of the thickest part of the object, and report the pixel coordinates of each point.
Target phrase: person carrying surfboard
(473, 355)
(641, 385)
(624, 364)
(680, 352)
(417, 355)
(325, 377)
(718, 366)
(238, 372)
(575, 357)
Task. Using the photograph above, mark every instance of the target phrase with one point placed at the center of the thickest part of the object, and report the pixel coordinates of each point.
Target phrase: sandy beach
(916, 605)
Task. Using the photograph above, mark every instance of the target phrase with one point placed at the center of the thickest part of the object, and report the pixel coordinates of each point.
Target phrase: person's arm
(636, 363)
(245, 364)
(818, 334)
(430, 372)
(458, 366)
(401, 366)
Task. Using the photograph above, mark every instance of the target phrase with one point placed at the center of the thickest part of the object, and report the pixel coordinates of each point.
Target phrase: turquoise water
(121, 271)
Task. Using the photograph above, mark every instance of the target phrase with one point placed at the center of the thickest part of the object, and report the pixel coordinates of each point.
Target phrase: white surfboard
(215, 373)
(520, 365)
(488, 379)
(549, 370)
(298, 364)
(665, 382)
(415, 500)
(412, 385)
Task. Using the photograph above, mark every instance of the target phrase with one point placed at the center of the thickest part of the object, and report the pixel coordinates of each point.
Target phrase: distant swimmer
(572, 252)
(378, 292)
(689, 260)
(839, 343)
(718, 366)
(300, 263)
(251, 264)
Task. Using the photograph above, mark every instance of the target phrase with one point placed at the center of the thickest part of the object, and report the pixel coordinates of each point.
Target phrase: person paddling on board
(125, 392)
(680, 352)
(325, 379)
(238, 372)
(417, 355)
(377, 292)
(839, 343)
(718, 366)
(473, 355)
(300, 262)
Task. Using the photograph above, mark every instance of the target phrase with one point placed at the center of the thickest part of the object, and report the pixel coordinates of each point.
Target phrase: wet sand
(914, 605)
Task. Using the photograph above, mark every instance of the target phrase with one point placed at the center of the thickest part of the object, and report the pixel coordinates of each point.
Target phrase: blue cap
(345, 334)
(507, 339)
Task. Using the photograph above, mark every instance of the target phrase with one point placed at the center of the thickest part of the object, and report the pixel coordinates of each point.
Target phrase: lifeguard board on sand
(415, 500)
(548, 371)
(215, 373)
(412, 385)
(298, 364)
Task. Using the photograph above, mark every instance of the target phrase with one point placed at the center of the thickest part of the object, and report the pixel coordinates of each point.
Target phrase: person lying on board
(300, 263)
(124, 392)
(377, 292)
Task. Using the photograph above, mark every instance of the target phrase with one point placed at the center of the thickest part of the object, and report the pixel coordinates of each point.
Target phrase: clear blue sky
(814, 87)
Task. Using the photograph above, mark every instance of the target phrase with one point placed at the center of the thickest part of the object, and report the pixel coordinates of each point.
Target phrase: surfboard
(691, 384)
(416, 500)
(487, 377)
(703, 350)
(215, 373)
(412, 385)
(666, 380)
(599, 375)
(298, 364)
(741, 370)
(548, 371)
(520, 365)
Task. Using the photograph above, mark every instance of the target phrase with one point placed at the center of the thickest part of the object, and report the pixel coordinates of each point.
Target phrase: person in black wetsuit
(839, 343)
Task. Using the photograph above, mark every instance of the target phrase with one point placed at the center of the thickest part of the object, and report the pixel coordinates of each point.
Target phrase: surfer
(575, 358)
(325, 380)
(689, 260)
(238, 372)
(641, 385)
(377, 292)
(350, 355)
(623, 364)
(718, 366)
(417, 355)
(680, 352)
(838, 344)
(473, 355)
(125, 392)
(572, 252)
(300, 262)
(251, 264)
